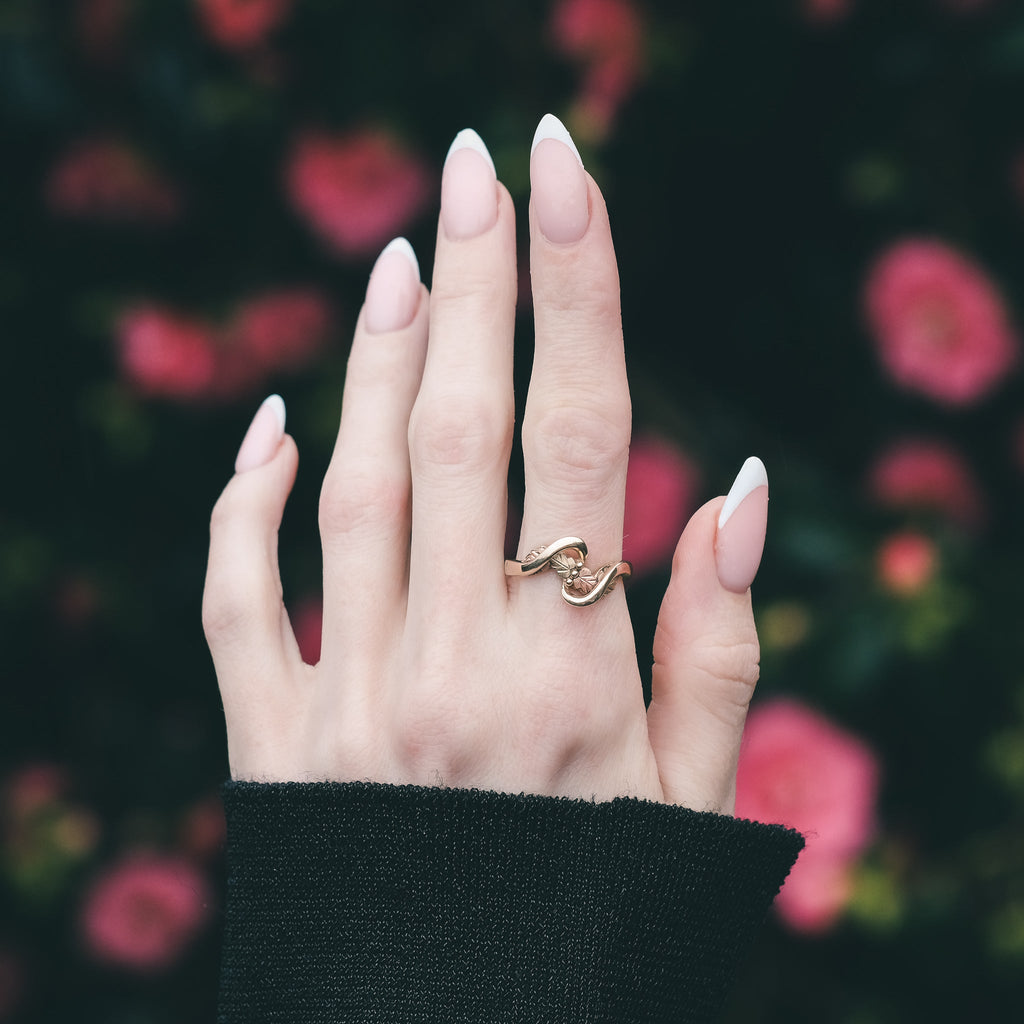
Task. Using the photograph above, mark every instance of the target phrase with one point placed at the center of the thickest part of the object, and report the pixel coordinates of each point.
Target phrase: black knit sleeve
(364, 902)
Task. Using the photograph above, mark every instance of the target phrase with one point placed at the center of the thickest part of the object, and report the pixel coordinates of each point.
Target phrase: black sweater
(360, 902)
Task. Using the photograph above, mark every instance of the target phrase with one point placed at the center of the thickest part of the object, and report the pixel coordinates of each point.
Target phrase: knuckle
(432, 731)
(357, 500)
(225, 611)
(465, 431)
(578, 440)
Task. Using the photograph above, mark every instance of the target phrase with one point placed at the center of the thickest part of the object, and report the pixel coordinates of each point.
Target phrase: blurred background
(819, 213)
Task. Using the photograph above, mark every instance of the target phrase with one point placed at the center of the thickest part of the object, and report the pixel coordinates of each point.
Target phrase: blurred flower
(940, 325)
(607, 38)
(107, 180)
(204, 830)
(800, 769)
(928, 475)
(661, 491)
(241, 24)
(144, 910)
(34, 787)
(308, 626)
(166, 354)
(281, 329)
(357, 191)
(825, 11)
(906, 562)
(45, 836)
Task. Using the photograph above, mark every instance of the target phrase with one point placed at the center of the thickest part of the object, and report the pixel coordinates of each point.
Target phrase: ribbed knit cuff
(366, 902)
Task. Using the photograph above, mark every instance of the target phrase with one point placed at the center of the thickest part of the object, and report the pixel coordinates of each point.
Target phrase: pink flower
(107, 180)
(798, 768)
(906, 562)
(357, 191)
(308, 627)
(241, 24)
(661, 490)
(928, 475)
(281, 329)
(165, 354)
(940, 325)
(816, 891)
(144, 910)
(607, 38)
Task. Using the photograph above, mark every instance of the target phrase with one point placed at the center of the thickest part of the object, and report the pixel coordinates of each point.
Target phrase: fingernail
(393, 293)
(558, 182)
(263, 436)
(741, 527)
(469, 193)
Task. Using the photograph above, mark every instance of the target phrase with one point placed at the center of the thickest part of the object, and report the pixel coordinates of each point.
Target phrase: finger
(705, 649)
(365, 499)
(460, 432)
(244, 618)
(577, 422)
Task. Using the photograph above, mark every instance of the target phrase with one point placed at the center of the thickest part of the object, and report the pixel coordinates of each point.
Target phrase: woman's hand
(436, 668)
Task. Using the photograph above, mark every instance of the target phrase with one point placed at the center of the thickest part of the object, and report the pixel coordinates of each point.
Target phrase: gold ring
(580, 585)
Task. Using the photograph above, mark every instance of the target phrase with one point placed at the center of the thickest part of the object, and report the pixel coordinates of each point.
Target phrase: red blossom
(357, 191)
(661, 492)
(607, 38)
(281, 329)
(106, 180)
(144, 910)
(800, 769)
(166, 354)
(241, 24)
(906, 562)
(928, 475)
(940, 324)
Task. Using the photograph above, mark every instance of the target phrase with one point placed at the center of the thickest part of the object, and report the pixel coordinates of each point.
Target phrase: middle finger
(460, 432)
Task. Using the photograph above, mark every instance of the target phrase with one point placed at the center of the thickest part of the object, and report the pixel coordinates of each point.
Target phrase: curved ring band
(580, 585)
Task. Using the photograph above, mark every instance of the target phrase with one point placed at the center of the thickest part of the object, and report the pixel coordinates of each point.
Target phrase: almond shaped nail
(263, 437)
(742, 525)
(469, 193)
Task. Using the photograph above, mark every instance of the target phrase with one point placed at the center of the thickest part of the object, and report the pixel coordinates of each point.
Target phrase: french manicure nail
(393, 293)
(263, 436)
(742, 524)
(559, 184)
(469, 193)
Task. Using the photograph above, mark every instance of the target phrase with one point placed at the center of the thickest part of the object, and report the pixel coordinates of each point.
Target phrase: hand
(436, 668)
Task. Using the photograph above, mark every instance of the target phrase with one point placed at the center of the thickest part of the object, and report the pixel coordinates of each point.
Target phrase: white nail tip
(752, 475)
(468, 139)
(551, 128)
(276, 402)
(402, 245)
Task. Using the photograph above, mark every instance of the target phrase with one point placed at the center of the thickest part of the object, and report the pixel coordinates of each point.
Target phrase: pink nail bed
(742, 525)
(263, 437)
(469, 193)
(393, 294)
(559, 184)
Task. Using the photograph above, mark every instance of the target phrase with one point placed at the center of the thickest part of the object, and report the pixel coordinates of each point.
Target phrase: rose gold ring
(580, 585)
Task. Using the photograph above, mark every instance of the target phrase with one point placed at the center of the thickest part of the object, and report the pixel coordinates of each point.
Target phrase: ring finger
(577, 423)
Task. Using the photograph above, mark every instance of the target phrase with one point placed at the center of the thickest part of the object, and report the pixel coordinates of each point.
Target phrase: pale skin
(436, 668)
